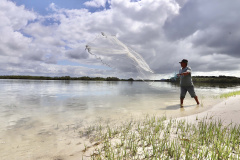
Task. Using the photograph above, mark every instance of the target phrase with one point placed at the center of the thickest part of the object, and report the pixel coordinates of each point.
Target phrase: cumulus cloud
(13, 19)
(14, 16)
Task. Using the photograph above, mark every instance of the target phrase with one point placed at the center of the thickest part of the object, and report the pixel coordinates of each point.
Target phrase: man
(186, 83)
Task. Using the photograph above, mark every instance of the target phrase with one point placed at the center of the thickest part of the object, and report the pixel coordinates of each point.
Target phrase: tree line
(64, 78)
(210, 79)
(214, 79)
(196, 79)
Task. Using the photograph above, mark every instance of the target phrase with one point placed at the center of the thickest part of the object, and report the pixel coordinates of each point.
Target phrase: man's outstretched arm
(184, 74)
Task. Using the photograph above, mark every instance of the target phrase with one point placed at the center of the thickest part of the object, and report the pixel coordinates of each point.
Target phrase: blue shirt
(186, 80)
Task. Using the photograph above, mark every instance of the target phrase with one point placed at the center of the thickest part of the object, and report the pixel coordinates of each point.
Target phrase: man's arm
(184, 74)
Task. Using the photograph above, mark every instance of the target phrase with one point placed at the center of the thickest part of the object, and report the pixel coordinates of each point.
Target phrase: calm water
(31, 110)
(21, 99)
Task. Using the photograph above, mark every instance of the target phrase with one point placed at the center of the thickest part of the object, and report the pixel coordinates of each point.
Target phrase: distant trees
(25, 77)
(210, 79)
(130, 79)
(205, 79)
(213, 79)
(112, 79)
(85, 78)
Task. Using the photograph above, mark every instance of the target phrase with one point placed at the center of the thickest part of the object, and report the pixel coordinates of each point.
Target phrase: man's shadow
(176, 106)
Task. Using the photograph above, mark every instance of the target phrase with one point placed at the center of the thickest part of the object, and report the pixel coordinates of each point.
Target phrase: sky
(48, 37)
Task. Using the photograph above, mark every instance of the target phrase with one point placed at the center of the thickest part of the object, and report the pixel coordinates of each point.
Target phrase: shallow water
(40, 119)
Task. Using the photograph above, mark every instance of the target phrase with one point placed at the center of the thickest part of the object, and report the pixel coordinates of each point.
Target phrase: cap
(184, 61)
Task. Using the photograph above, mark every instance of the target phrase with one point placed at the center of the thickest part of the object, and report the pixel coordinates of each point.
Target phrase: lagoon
(40, 118)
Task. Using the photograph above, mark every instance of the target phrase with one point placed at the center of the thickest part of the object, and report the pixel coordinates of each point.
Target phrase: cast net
(117, 55)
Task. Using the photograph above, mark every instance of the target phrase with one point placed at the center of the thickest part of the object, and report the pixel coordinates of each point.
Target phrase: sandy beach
(227, 111)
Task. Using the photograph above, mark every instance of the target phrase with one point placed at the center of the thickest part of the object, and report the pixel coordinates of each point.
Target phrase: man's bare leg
(196, 99)
(181, 102)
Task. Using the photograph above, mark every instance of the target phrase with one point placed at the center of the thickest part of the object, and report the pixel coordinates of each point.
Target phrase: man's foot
(181, 105)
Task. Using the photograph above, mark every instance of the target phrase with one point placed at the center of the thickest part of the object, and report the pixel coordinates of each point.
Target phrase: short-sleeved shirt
(186, 80)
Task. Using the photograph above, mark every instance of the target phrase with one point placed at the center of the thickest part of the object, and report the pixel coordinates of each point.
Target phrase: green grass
(230, 94)
(159, 138)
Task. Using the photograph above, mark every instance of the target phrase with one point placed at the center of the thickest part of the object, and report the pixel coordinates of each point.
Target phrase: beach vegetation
(162, 138)
(230, 94)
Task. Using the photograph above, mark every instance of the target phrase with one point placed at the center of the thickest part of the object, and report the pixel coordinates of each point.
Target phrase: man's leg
(182, 95)
(196, 99)
(181, 102)
(193, 94)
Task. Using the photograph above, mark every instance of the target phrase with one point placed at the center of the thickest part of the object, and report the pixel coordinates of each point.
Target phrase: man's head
(184, 63)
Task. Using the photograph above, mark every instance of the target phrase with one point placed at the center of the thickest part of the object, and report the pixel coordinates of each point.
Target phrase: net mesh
(116, 55)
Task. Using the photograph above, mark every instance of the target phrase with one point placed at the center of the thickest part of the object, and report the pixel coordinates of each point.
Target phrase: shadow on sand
(177, 106)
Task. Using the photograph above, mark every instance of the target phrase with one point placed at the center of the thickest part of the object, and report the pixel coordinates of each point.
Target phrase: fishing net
(117, 55)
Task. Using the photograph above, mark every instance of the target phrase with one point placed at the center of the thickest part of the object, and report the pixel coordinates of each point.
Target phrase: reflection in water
(43, 116)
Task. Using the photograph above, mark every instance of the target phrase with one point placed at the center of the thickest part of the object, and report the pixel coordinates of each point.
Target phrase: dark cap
(184, 61)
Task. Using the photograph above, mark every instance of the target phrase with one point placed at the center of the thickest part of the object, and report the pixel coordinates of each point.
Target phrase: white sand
(227, 111)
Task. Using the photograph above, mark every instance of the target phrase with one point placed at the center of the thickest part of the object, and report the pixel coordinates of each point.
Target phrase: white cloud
(13, 19)
(14, 16)
(96, 3)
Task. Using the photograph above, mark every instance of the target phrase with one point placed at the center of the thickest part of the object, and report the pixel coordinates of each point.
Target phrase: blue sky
(48, 37)
(41, 6)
